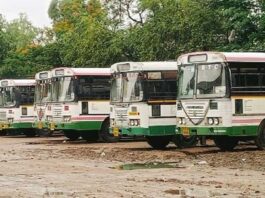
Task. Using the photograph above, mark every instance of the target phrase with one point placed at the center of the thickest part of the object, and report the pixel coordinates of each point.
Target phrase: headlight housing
(134, 122)
(112, 122)
(210, 121)
(49, 118)
(182, 120)
(66, 118)
(10, 120)
(214, 121)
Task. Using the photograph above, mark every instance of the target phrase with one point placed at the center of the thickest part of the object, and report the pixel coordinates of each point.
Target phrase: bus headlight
(49, 118)
(210, 121)
(112, 122)
(216, 121)
(66, 118)
(134, 122)
(182, 121)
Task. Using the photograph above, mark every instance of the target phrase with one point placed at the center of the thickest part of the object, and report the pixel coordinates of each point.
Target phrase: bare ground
(53, 167)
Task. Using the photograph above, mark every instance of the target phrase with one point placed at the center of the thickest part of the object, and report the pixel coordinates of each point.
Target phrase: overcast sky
(36, 10)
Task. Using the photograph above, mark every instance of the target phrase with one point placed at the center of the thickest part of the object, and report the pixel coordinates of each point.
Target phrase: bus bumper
(21, 125)
(139, 131)
(77, 126)
(217, 131)
(4, 125)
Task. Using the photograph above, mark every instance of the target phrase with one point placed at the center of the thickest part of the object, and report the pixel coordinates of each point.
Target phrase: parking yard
(54, 167)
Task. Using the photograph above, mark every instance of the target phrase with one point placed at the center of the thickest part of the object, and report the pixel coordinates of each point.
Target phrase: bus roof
(17, 82)
(197, 57)
(43, 75)
(144, 66)
(66, 71)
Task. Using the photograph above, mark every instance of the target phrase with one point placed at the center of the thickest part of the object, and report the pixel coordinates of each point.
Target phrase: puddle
(150, 165)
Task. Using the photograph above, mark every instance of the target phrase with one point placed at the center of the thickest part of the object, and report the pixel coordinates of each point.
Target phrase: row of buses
(212, 95)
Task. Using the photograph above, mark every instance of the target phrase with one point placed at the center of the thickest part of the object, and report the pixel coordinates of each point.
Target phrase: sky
(36, 10)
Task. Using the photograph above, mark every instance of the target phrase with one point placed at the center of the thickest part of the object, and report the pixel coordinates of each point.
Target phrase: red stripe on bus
(247, 121)
(90, 118)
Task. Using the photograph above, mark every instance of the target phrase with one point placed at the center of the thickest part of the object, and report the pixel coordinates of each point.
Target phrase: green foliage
(98, 33)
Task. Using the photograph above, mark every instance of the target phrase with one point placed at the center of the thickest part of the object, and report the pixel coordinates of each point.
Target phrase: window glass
(93, 87)
(247, 77)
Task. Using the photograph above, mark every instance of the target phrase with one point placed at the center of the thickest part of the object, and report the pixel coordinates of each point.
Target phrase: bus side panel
(248, 112)
(162, 119)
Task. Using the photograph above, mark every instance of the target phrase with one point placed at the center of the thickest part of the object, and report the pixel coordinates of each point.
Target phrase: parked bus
(143, 101)
(41, 100)
(80, 103)
(222, 95)
(17, 98)
(3, 123)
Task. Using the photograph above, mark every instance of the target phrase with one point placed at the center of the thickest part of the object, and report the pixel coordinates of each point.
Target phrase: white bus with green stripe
(143, 101)
(17, 113)
(80, 103)
(222, 96)
(41, 100)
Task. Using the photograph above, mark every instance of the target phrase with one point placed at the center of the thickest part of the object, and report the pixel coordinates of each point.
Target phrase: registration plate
(185, 131)
(40, 125)
(115, 131)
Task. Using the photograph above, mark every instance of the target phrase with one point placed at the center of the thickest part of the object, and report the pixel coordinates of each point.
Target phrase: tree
(21, 32)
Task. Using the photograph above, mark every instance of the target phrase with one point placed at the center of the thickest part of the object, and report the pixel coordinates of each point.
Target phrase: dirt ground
(54, 167)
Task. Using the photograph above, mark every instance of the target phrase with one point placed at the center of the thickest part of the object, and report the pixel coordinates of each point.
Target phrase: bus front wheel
(158, 142)
(3, 132)
(105, 135)
(71, 135)
(185, 142)
(260, 139)
(30, 132)
(90, 136)
(225, 143)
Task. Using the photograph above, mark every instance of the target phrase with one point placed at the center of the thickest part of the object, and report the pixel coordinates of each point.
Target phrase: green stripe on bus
(21, 125)
(80, 126)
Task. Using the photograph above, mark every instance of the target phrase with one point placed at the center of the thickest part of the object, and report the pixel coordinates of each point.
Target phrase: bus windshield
(210, 81)
(126, 87)
(43, 92)
(63, 89)
(1, 97)
(9, 97)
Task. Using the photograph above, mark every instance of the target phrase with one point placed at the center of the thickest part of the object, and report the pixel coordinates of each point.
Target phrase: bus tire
(30, 132)
(44, 132)
(3, 133)
(185, 142)
(158, 142)
(71, 135)
(90, 136)
(260, 139)
(225, 143)
(104, 133)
